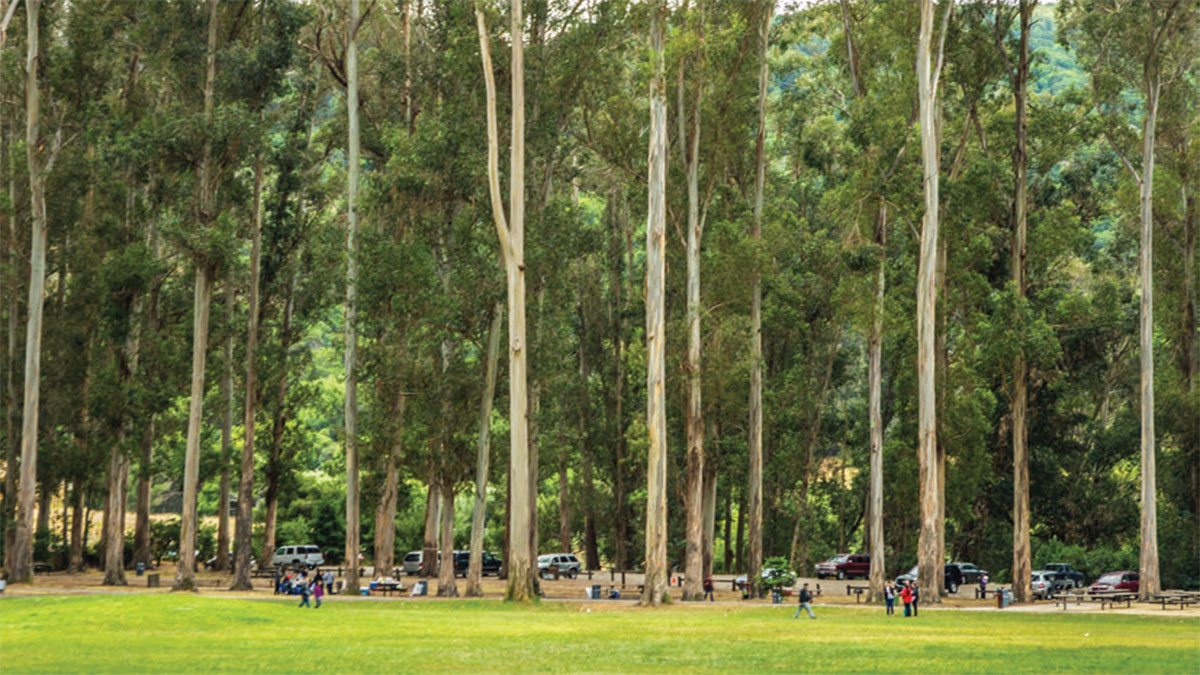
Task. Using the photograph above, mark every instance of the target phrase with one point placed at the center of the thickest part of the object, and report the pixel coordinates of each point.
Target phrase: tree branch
(493, 135)
(1121, 153)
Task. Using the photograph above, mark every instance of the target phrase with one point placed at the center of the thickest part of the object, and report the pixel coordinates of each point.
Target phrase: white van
(295, 556)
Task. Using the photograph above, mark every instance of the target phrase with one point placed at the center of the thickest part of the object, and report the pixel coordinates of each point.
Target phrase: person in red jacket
(906, 596)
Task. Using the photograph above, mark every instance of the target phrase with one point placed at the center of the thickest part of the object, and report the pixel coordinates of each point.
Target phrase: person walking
(889, 598)
(328, 579)
(983, 582)
(708, 589)
(805, 599)
(318, 592)
(916, 596)
(303, 588)
(906, 596)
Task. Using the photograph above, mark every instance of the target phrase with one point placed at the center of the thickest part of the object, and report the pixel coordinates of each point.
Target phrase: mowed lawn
(184, 633)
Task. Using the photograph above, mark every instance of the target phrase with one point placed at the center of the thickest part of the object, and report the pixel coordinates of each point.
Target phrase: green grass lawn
(175, 633)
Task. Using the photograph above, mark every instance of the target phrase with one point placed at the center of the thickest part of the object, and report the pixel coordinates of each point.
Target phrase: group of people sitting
(300, 584)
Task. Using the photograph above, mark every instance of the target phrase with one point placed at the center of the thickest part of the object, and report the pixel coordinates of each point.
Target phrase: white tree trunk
(878, 570)
(756, 412)
(656, 588)
(185, 575)
(928, 562)
(20, 560)
(693, 588)
(512, 247)
(1148, 584)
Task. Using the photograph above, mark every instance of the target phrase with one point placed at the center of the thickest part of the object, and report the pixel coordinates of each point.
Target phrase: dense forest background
(123, 115)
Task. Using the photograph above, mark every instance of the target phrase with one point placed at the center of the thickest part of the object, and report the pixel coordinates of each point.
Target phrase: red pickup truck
(845, 565)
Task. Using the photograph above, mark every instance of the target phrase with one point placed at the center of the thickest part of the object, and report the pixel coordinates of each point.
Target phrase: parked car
(845, 565)
(489, 565)
(828, 568)
(1066, 574)
(568, 564)
(298, 556)
(951, 578)
(767, 573)
(962, 574)
(414, 562)
(1045, 584)
(1124, 580)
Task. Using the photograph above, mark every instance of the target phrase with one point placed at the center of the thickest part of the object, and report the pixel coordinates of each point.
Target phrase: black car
(962, 574)
(462, 563)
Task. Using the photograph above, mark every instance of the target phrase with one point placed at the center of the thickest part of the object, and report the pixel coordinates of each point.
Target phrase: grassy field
(182, 633)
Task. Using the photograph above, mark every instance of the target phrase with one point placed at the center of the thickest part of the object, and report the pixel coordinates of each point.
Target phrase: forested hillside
(194, 159)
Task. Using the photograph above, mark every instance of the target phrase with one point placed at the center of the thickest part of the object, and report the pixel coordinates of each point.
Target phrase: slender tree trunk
(564, 502)
(483, 456)
(1022, 565)
(512, 248)
(1148, 585)
(7, 513)
(226, 435)
(20, 569)
(351, 355)
(928, 563)
(141, 529)
(756, 413)
(76, 565)
(727, 539)
(656, 588)
(385, 513)
(447, 577)
(433, 504)
(185, 575)
(739, 563)
(710, 517)
(245, 512)
(693, 587)
(274, 468)
(591, 553)
(878, 570)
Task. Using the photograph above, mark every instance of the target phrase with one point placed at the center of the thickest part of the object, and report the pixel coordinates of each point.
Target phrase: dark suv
(962, 574)
(489, 565)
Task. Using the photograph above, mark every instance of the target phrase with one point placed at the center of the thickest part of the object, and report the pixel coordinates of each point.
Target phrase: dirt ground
(833, 592)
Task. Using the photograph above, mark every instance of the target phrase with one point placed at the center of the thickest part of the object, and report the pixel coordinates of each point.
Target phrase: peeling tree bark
(928, 564)
(756, 413)
(1022, 565)
(351, 355)
(512, 248)
(447, 582)
(656, 589)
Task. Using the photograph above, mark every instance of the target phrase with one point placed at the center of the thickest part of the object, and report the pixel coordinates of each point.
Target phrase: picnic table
(1105, 599)
(857, 590)
(1183, 599)
(388, 587)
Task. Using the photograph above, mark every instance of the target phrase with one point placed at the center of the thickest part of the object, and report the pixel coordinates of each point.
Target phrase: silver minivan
(296, 556)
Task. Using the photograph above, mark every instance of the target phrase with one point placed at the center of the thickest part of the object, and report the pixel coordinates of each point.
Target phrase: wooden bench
(262, 574)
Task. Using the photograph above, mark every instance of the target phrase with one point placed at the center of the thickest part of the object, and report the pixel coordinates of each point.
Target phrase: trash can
(151, 581)
(596, 592)
(776, 596)
(421, 588)
(141, 568)
(1007, 597)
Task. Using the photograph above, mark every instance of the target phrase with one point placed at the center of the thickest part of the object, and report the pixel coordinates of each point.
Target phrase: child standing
(318, 591)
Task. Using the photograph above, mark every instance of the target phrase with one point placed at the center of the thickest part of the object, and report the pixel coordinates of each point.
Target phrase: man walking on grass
(805, 599)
